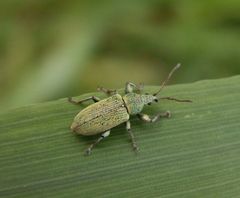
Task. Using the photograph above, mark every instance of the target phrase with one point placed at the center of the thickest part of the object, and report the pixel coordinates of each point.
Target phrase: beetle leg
(104, 135)
(147, 118)
(129, 87)
(140, 87)
(109, 92)
(94, 98)
(134, 144)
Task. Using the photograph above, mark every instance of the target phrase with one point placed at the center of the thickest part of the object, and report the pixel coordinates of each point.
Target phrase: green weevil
(103, 115)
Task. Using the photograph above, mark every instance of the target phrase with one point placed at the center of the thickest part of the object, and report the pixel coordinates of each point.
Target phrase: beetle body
(108, 113)
(105, 114)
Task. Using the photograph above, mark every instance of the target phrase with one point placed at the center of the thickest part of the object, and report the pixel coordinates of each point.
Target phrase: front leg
(129, 88)
(147, 118)
(108, 92)
(134, 144)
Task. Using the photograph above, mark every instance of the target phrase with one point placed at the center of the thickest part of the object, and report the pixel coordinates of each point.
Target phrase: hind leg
(94, 98)
(89, 149)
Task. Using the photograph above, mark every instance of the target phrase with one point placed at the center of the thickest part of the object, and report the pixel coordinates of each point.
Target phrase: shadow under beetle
(105, 114)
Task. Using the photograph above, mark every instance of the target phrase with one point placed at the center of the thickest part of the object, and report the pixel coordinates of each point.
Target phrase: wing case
(101, 116)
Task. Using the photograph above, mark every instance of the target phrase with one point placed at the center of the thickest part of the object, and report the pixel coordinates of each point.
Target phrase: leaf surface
(195, 153)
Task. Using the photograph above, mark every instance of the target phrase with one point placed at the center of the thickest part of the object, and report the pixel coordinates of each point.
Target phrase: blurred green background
(52, 49)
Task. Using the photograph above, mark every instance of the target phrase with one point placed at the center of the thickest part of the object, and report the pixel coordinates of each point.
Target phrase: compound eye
(156, 100)
(149, 103)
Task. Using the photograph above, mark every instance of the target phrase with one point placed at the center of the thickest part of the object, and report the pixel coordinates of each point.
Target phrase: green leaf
(195, 153)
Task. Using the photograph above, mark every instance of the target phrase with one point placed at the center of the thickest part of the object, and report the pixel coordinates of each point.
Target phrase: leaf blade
(193, 154)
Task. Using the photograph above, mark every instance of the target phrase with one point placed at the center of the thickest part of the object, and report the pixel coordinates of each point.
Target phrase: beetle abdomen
(101, 116)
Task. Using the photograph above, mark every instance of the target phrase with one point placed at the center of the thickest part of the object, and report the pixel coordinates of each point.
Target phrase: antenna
(169, 76)
(175, 99)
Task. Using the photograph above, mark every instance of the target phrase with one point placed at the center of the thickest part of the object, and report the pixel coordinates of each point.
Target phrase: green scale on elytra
(105, 114)
(101, 116)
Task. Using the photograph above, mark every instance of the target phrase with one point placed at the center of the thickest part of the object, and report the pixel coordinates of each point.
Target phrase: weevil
(103, 115)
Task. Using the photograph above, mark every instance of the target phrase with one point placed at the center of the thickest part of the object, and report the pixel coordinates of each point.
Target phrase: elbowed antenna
(175, 99)
(165, 81)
